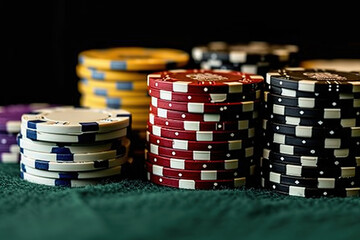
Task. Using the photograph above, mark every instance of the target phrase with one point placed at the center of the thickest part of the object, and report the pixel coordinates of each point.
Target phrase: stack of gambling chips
(116, 78)
(201, 128)
(73, 147)
(312, 133)
(254, 57)
(10, 121)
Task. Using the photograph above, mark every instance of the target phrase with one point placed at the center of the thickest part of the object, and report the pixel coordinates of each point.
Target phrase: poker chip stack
(312, 133)
(201, 128)
(116, 78)
(10, 121)
(253, 57)
(73, 147)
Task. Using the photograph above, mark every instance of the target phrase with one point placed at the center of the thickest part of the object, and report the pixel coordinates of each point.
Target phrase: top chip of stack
(253, 57)
(312, 133)
(201, 128)
(72, 147)
(10, 121)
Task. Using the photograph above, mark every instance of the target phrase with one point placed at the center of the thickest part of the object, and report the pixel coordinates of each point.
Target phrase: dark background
(41, 40)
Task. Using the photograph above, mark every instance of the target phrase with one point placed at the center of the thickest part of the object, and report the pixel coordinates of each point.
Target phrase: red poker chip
(202, 117)
(205, 81)
(200, 155)
(197, 184)
(201, 126)
(201, 146)
(207, 175)
(205, 97)
(234, 107)
(198, 165)
(201, 135)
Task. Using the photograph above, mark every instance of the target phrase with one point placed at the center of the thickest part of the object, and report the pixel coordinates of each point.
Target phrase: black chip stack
(253, 57)
(311, 133)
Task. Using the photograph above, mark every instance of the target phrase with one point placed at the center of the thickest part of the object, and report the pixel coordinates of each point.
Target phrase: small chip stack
(116, 78)
(201, 128)
(10, 121)
(73, 147)
(312, 133)
(253, 57)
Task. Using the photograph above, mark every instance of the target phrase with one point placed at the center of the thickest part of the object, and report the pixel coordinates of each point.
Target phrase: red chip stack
(202, 127)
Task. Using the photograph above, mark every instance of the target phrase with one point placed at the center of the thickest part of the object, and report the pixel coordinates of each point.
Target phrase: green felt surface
(135, 209)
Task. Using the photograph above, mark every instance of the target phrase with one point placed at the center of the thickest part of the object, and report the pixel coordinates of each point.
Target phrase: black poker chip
(295, 93)
(309, 192)
(311, 132)
(312, 103)
(310, 161)
(313, 113)
(320, 182)
(320, 143)
(313, 151)
(310, 172)
(316, 122)
(315, 80)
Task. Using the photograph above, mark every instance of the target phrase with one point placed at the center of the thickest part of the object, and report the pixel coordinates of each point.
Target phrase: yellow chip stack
(116, 78)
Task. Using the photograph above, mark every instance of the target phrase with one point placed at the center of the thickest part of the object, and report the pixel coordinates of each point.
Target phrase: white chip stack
(73, 147)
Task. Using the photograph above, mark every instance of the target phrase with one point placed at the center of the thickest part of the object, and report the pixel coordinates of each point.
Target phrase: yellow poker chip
(119, 102)
(134, 59)
(133, 110)
(138, 126)
(139, 117)
(98, 91)
(346, 65)
(104, 75)
(128, 86)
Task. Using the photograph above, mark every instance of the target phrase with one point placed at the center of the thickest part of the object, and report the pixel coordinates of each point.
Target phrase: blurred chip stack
(202, 127)
(253, 57)
(312, 133)
(346, 65)
(10, 121)
(73, 147)
(116, 78)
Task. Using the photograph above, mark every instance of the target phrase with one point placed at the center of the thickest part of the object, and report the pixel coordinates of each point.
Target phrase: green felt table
(136, 209)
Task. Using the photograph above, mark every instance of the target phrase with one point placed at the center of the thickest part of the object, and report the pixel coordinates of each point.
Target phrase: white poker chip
(58, 182)
(66, 138)
(119, 151)
(74, 167)
(50, 147)
(71, 175)
(76, 121)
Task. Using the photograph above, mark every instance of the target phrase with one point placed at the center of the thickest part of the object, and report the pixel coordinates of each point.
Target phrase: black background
(41, 39)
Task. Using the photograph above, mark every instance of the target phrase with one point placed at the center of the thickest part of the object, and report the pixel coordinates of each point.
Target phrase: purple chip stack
(10, 122)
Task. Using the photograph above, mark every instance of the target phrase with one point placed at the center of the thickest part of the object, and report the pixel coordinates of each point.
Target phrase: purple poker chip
(12, 148)
(7, 139)
(22, 108)
(7, 157)
(10, 116)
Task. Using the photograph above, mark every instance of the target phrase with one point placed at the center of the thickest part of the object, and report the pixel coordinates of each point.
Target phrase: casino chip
(311, 133)
(73, 147)
(116, 78)
(346, 65)
(253, 57)
(201, 128)
(10, 123)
